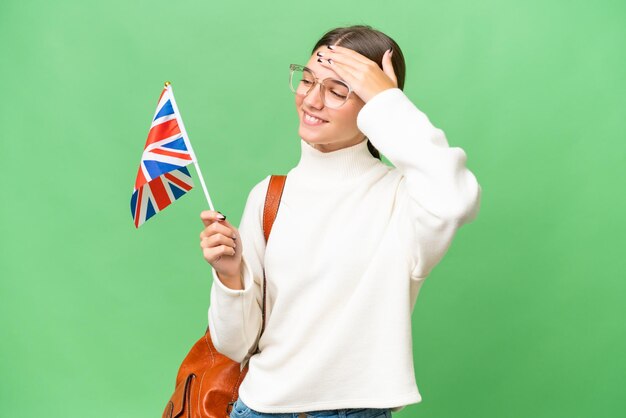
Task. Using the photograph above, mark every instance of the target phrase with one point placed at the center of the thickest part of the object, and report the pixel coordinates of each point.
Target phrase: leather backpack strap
(272, 202)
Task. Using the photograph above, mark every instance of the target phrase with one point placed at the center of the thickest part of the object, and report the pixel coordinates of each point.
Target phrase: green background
(524, 317)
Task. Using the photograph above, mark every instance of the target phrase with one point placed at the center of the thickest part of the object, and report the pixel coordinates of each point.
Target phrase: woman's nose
(314, 97)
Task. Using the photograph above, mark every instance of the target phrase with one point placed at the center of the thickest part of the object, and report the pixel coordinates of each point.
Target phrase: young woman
(351, 245)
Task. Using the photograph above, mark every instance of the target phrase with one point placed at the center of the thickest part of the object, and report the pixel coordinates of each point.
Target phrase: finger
(214, 254)
(213, 242)
(339, 53)
(215, 228)
(210, 216)
(205, 243)
(340, 50)
(358, 70)
(388, 66)
(217, 240)
(344, 71)
(211, 255)
(219, 228)
(356, 66)
(229, 226)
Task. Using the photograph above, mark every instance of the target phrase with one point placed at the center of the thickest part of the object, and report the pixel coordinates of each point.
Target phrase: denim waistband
(241, 410)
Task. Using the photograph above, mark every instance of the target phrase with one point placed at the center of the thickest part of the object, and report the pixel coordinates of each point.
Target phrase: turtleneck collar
(324, 168)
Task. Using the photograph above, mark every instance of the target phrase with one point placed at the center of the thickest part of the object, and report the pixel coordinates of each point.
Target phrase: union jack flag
(163, 176)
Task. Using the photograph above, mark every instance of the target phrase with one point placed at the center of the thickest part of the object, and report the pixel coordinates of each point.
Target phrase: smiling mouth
(312, 120)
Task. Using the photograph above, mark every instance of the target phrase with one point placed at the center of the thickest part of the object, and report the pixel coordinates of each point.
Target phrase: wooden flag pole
(168, 86)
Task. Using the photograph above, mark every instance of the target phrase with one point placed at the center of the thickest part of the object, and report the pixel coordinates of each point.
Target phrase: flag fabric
(163, 176)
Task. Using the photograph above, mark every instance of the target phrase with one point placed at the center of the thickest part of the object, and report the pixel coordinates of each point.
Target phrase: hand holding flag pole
(163, 175)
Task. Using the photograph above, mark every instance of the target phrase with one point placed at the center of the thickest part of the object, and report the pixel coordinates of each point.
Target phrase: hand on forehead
(320, 71)
(364, 76)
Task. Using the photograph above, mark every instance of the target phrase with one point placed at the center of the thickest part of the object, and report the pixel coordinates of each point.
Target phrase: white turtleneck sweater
(351, 245)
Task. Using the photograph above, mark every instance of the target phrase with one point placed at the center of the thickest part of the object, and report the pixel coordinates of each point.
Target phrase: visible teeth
(311, 118)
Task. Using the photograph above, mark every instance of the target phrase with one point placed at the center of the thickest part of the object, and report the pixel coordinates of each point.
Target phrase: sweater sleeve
(438, 193)
(235, 315)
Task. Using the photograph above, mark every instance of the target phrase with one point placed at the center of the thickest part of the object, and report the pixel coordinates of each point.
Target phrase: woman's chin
(310, 136)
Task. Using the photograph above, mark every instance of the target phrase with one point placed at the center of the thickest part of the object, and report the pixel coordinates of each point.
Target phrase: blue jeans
(241, 410)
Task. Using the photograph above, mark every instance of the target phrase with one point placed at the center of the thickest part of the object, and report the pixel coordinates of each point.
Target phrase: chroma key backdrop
(524, 317)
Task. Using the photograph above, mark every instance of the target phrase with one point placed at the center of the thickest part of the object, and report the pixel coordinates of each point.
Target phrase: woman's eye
(341, 96)
(306, 82)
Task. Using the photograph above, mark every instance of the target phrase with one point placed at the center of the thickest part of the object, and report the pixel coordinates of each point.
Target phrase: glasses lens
(335, 93)
(301, 81)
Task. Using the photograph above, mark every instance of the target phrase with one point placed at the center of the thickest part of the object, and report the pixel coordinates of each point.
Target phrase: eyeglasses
(302, 81)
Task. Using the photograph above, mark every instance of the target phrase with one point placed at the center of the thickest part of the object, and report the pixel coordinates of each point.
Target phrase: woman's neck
(327, 168)
(335, 146)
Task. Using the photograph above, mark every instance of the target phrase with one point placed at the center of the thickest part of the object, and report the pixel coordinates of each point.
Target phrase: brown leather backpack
(207, 384)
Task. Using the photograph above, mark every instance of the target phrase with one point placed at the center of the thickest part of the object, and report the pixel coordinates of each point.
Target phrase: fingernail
(330, 47)
(319, 60)
(330, 61)
(319, 54)
(221, 216)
